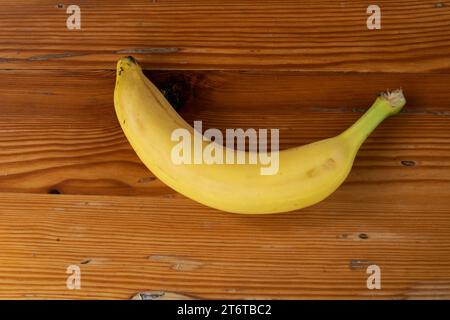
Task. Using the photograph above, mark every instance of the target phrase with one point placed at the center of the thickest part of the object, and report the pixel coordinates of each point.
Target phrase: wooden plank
(72, 191)
(180, 34)
(175, 245)
(62, 134)
(59, 134)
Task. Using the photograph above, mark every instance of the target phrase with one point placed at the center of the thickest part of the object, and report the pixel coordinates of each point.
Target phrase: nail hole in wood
(363, 236)
(408, 163)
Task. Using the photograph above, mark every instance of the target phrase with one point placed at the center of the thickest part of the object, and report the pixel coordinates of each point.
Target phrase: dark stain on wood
(147, 51)
(408, 163)
(363, 236)
(54, 191)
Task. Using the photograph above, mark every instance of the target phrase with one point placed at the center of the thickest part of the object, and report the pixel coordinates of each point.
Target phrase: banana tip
(126, 63)
(130, 59)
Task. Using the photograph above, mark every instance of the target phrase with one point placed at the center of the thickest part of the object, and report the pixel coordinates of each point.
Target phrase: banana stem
(386, 104)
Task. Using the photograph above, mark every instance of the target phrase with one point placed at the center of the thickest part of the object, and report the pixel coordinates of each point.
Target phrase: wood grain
(73, 192)
(162, 244)
(179, 34)
(63, 136)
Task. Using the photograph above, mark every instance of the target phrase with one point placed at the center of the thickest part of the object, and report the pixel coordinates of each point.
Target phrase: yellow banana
(306, 175)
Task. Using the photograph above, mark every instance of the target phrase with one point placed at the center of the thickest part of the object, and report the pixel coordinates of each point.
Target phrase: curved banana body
(306, 175)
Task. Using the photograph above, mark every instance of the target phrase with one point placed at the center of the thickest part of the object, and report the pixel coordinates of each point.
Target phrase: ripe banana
(306, 175)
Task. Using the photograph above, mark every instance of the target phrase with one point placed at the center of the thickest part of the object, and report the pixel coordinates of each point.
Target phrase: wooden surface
(72, 191)
(234, 34)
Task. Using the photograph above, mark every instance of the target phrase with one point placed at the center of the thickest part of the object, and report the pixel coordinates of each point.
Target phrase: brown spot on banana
(330, 163)
(311, 173)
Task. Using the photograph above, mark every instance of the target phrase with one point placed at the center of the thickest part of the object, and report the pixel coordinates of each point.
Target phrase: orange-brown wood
(294, 35)
(129, 233)
(126, 245)
(73, 192)
(63, 133)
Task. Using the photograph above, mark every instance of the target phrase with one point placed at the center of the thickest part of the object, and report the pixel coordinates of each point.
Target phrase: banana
(307, 174)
